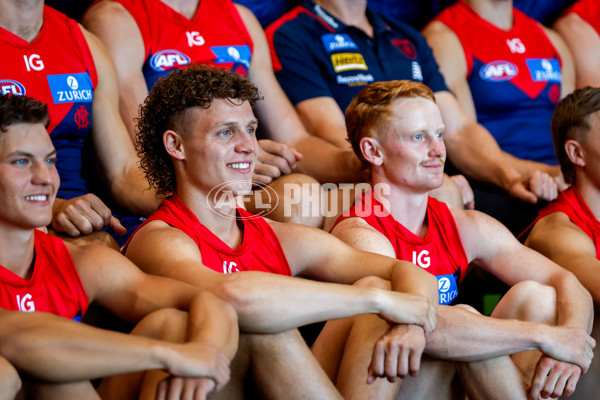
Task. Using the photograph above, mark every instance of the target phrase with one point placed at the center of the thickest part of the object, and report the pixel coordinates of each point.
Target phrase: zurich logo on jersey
(544, 69)
(167, 59)
(238, 55)
(71, 88)
(337, 41)
(8, 86)
(498, 71)
(447, 287)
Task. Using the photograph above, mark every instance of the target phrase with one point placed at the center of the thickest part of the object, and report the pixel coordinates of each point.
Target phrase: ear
(575, 152)
(173, 144)
(371, 150)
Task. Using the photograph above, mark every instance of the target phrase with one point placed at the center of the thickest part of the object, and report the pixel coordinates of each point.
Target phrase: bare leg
(10, 383)
(291, 198)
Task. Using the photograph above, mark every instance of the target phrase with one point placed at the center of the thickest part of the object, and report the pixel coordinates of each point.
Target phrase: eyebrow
(27, 154)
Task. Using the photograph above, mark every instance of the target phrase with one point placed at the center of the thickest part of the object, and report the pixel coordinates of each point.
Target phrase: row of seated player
(397, 318)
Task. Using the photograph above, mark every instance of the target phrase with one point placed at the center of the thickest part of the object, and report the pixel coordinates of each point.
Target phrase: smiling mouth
(243, 165)
(37, 197)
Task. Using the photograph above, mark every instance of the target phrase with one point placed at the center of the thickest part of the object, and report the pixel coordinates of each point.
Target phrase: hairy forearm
(463, 335)
(268, 303)
(213, 320)
(328, 163)
(134, 193)
(59, 350)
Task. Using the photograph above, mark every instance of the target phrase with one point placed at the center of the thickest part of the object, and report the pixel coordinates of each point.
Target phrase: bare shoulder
(156, 240)
(105, 12)
(357, 233)
(556, 232)
(438, 33)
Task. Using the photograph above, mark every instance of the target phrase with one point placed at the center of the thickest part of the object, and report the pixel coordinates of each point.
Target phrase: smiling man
(196, 133)
(396, 129)
(41, 273)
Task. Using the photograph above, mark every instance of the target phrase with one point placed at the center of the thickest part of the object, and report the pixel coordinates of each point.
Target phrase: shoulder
(357, 233)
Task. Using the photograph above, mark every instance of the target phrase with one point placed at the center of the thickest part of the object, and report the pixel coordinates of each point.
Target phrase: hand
(185, 388)
(403, 308)
(274, 159)
(542, 185)
(83, 215)
(553, 378)
(569, 344)
(397, 353)
(199, 360)
(465, 189)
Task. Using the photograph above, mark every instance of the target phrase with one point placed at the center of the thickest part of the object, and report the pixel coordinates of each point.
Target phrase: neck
(216, 216)
(496, 12)
(350, 12)
(408, 208)
(186, 8)
(590, 194)
(16, 250)
(23, 18)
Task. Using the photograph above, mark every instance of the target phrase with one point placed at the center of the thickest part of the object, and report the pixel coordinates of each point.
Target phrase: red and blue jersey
(589, 11)
(315, 54)
(514, 77)
(260, 249)
(216, 35)
(440, 252)
(54, 286)
(56, 68)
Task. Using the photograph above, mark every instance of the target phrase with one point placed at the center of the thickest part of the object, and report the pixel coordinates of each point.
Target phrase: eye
(418, 136)
(21, 162)
(251, 130)
(225, 134)
(51, 160)
(439, 135)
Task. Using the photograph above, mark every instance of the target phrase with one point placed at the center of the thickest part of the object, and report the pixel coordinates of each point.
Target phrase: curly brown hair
(21, 110)
(165, 108)
(369, 112)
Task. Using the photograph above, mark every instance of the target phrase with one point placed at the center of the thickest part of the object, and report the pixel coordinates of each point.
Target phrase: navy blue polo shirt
(316, 55)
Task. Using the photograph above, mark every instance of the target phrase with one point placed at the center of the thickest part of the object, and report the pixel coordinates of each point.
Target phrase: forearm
(132, 192)
(213, 320)
(574, 304)
(476, 154)
(328, 163)
(59, 350)
(267, 303)
(408, 278)
(463, 335)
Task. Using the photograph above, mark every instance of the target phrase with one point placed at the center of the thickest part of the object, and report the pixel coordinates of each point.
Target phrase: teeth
(240, 165)
(36, 198)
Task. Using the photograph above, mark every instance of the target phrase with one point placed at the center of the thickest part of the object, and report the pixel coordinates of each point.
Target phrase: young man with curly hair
(196, 136)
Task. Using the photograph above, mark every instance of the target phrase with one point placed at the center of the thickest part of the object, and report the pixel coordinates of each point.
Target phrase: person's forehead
(25, 135)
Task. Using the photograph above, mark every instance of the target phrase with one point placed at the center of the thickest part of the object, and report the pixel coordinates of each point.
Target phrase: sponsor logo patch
(406, 47)
(498, 71)
(544, 69)
(348, 61)
(447, 288)
(8, 86)
(338, 41)
(167, 59)
(238, 55)
(71, 88)
(355, 80)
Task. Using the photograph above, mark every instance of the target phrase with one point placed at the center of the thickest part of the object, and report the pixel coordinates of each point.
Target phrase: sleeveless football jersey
(260, 249)
(572, 204)
(514, 78)
(215, 35)
(55, 68)
(589, 11)
(54, 287)
(440, 252)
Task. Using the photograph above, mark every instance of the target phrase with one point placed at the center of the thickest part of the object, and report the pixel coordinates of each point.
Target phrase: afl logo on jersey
(8, 86)
(167, 59)
(498, 71)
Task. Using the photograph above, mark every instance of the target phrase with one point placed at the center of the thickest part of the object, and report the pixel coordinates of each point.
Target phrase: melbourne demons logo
(167, 59)
(81, 118)
(406, 47)
(8, 86)
(498, 71)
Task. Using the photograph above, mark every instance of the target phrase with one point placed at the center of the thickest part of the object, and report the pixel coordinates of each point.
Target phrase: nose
(438, 148)
(246, 143)
(43, 173)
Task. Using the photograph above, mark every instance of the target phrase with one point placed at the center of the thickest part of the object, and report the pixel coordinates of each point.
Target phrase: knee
(467, 307)
(10, 382)
(528, 301)
(165, 324)
(374, 282)
(298, 199)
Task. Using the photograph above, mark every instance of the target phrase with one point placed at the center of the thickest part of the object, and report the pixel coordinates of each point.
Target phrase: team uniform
(571, 203)
(55, 68)
(260, 249)
(440, 252)
(316, 55)
(514, 77)
(589, 11)
(216, 35)
(54, 286)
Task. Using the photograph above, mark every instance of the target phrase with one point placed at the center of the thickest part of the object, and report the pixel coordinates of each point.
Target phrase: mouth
(240, 166)
(37, 198)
